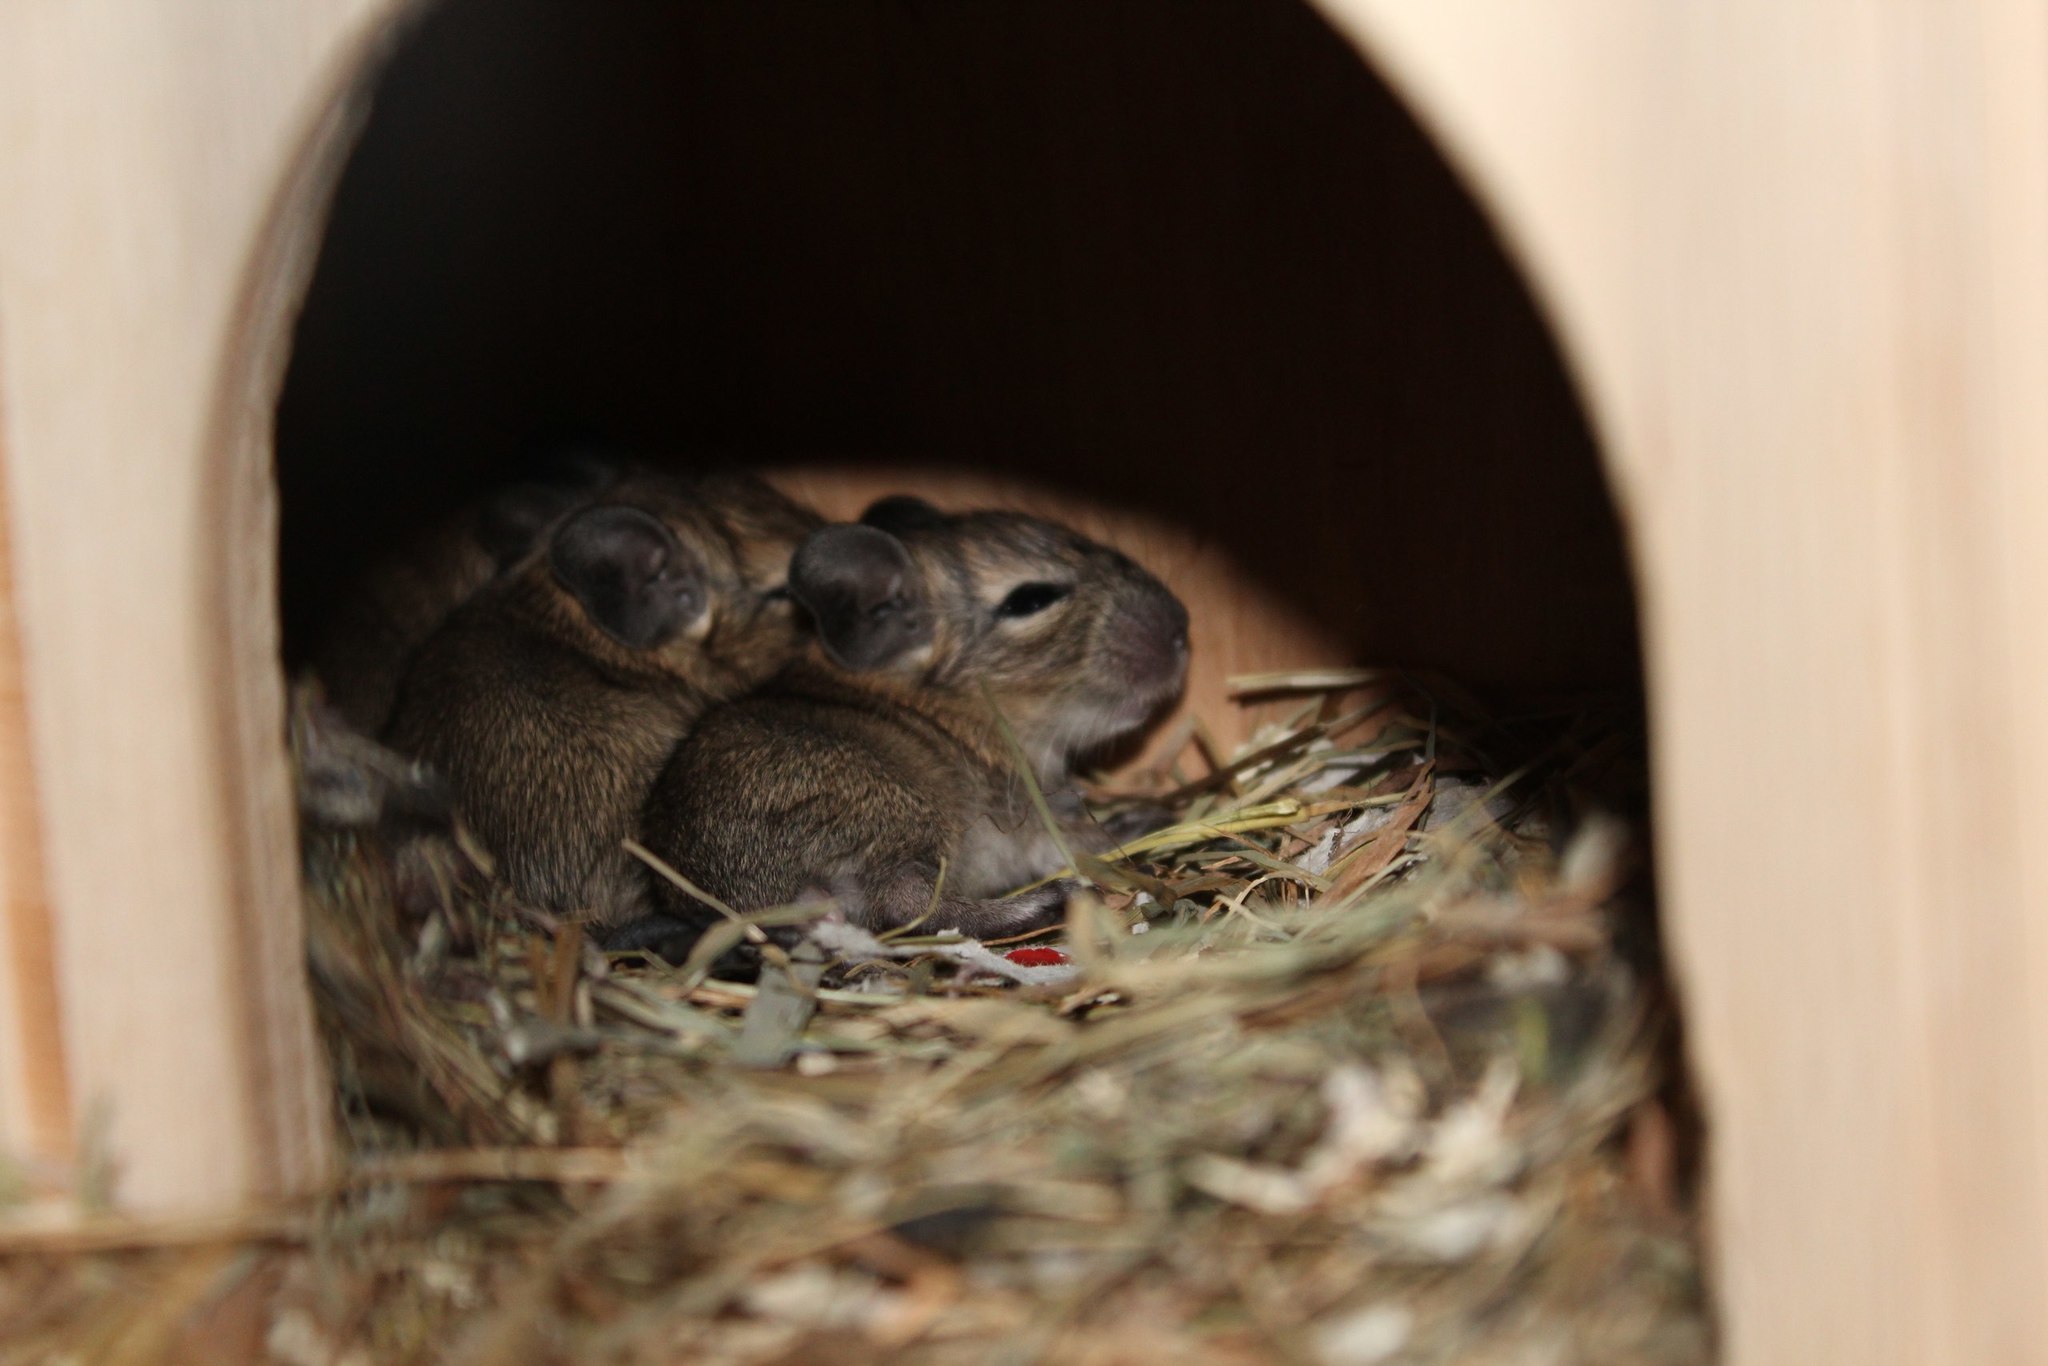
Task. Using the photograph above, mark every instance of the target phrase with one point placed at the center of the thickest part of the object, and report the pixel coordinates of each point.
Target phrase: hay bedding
(1345, 1067)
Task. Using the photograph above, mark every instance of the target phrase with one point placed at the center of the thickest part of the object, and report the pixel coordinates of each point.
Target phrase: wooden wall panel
(142, 149)
(1797, 251)
(35, 1092)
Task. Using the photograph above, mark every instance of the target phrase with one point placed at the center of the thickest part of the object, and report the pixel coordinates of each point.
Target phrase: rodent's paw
(839, 898)
(1051, 897)
(1136, 822)
(667, 937)
(1043, 906)
(348, 781)
(1040, 908)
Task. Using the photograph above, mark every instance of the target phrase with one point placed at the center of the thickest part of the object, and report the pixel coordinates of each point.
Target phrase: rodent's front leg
(907, 900)
(666, 936)
(1101, 836)
(1015, 847)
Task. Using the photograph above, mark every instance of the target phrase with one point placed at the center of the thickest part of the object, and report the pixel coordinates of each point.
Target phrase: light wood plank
(142, 151)
(1798, 251)
(35, 1092)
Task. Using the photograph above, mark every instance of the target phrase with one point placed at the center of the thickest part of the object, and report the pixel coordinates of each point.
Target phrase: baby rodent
(876, 760)
(550, 700)
(405, 595)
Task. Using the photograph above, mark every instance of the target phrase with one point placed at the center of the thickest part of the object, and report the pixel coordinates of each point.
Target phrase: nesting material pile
(1343, 1067)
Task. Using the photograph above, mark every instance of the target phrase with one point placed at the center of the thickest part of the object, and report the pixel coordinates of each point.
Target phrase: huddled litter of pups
(660, 699)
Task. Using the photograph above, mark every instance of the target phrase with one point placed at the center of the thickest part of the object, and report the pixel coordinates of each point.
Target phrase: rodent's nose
(1168, 624)
(1154, 640)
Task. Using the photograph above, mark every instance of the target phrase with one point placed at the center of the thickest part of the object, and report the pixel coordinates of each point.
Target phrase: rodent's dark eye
(1030, 599)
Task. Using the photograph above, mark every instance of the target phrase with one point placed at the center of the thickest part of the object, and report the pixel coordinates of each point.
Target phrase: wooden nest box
(1731, 314)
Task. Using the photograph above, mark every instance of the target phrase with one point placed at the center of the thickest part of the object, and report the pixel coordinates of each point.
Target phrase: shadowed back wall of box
(1190, 262)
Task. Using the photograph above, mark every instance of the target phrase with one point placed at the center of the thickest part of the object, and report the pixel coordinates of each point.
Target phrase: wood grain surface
(151, 162)
(1796, 252)
(1189, 268)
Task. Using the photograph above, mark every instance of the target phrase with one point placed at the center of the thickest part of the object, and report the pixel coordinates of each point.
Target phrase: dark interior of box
(1191, 259)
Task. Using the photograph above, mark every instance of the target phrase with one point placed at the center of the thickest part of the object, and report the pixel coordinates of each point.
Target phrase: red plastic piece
(1036, 958)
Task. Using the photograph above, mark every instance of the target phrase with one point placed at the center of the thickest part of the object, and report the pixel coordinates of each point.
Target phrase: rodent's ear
(513, 518)
(901, 512)
(630, 573)
(859, 587)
